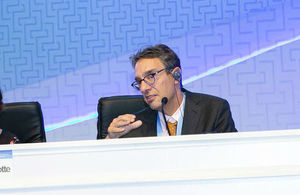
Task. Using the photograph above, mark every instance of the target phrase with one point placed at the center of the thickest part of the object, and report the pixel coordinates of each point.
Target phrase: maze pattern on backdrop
(41, 40)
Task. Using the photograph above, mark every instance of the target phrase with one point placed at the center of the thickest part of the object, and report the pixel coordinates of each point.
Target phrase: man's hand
(122, 125)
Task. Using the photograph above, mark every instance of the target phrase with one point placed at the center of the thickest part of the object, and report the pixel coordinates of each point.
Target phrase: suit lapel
(191, 114)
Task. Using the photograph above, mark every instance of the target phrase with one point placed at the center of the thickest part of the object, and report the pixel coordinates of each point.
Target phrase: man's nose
(144, 86)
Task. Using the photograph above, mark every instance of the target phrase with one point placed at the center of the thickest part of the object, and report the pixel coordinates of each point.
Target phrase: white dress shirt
(177, 116)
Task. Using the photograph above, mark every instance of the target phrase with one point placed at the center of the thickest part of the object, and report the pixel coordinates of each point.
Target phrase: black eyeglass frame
(137, 84)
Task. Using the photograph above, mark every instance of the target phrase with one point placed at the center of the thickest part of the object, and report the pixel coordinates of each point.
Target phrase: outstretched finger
(132, 126)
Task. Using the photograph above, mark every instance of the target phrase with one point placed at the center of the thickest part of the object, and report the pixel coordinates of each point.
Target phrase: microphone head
(164, 100)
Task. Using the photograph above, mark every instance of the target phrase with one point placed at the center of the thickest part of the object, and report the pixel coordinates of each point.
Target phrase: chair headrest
(25, 120)
(111, 107)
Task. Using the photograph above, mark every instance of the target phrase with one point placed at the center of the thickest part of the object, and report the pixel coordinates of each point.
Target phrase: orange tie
(172, 128)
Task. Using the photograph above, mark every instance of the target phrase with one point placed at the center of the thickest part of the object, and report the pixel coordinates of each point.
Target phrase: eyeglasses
(149, 79)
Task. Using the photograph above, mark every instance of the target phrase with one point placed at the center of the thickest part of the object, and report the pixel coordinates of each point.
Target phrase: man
(158, 76)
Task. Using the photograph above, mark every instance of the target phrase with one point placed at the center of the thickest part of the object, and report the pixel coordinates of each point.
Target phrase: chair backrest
(25, 120)
(111, 107)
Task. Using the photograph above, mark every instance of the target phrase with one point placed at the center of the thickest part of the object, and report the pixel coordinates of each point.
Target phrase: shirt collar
(179, 112)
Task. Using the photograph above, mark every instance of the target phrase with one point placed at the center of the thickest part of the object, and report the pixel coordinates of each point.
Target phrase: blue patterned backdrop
(66, 54)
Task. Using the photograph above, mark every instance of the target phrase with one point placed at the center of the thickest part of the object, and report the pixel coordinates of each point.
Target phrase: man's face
(162, 87)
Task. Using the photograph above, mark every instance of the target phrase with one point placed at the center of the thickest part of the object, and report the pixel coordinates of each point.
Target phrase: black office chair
(111, 107)
(25, 120)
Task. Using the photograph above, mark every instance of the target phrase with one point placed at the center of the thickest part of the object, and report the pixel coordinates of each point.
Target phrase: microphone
(164, 101)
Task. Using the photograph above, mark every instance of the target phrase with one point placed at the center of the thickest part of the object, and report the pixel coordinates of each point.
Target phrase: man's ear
(176, 73)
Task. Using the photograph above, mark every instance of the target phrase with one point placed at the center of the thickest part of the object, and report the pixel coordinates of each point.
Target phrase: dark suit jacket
(202, 114)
